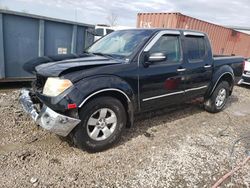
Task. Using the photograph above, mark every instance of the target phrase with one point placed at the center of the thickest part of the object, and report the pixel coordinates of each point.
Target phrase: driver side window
(169, 46)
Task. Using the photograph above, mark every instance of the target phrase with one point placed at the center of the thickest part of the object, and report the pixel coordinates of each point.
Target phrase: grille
(39, 83)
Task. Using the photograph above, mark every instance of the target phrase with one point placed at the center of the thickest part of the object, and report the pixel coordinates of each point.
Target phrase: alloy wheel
(101, 124)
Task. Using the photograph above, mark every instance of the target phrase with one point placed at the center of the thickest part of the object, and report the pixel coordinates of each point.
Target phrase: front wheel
(218, 99)
(102, 122)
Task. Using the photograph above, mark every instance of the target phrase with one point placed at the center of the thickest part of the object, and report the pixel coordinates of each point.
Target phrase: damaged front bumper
(47, 118)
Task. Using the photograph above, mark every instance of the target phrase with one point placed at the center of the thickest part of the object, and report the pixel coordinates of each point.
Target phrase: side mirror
(153, 58)
(156, 57)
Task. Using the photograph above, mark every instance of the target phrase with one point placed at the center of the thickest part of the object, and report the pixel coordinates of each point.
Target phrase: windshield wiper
(102, 54)
(113, 56)
(95, 53)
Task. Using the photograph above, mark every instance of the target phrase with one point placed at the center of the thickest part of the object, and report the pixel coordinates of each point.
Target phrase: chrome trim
(181, 70)
(246, 75)
(103, 90)
(192, 33)
(57, 123)
(240, 82)
(158, 36)
(207, 66)
(152, 57)
(174, 93)
(245, 83)
(160, 96)
(197, 88)
(27, 104)
(46, 117)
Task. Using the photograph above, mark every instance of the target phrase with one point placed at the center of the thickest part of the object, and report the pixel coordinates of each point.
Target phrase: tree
(112, 19)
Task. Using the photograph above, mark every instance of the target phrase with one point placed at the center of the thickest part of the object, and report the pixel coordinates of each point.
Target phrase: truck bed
(233, 61)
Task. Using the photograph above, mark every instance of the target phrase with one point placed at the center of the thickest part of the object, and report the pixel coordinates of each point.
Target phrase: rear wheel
(218, 99)
(102, 122)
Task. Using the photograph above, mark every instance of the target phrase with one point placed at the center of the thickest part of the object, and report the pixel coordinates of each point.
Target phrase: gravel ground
(183, 147)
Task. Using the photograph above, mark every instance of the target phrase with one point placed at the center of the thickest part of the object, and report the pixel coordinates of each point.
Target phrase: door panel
(161, 83)
(199, 66)
(197, 80)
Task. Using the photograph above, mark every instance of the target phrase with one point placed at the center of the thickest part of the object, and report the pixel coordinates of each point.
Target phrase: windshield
(120, 43)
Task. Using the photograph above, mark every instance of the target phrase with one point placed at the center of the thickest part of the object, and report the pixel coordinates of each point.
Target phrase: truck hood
(59, 67)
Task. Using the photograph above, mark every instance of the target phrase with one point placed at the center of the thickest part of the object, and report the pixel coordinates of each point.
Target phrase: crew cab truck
(92, 97)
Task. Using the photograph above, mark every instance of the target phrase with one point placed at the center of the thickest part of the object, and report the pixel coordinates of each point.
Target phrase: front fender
(218, 74)
(94, 84)
(89, 87)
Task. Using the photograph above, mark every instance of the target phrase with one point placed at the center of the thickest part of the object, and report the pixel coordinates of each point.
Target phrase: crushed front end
(57, 112)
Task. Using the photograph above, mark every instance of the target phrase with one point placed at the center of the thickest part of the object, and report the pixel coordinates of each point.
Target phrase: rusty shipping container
(224, 41)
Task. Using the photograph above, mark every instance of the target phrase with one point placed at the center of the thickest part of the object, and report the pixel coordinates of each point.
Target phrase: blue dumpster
(25, 36)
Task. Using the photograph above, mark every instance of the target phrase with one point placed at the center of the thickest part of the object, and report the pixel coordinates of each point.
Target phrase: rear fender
(223, 73)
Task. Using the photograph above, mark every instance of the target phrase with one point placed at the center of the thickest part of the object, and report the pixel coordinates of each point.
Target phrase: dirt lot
(183, 147)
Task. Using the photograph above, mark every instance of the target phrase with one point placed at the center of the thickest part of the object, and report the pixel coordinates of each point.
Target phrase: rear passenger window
(170, 46)
(196, 48)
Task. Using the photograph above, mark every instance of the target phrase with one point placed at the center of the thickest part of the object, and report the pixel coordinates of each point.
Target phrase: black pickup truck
(92, 97)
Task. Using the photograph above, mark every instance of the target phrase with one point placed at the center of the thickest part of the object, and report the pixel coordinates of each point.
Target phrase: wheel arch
(118, 94)
(225, 73)
(113, 91)
(228, 77)
(108, 85)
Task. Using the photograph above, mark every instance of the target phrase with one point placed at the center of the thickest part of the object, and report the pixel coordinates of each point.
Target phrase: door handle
(181, 70)
(207, 66)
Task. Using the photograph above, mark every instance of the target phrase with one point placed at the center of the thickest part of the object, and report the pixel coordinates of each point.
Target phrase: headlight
(55, 86)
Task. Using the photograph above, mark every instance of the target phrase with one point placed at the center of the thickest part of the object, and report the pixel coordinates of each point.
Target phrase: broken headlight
(55, 86)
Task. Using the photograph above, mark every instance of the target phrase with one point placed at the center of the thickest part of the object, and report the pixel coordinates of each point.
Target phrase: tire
(102, 122)
(218, 99)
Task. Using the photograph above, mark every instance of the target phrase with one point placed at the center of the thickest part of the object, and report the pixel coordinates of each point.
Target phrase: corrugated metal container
(25, 36)
(224, 41)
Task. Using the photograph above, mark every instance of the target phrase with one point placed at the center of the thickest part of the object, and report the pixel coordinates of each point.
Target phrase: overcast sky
(224, 12)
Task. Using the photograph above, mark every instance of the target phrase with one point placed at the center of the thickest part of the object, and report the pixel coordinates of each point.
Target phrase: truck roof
(165, 29)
